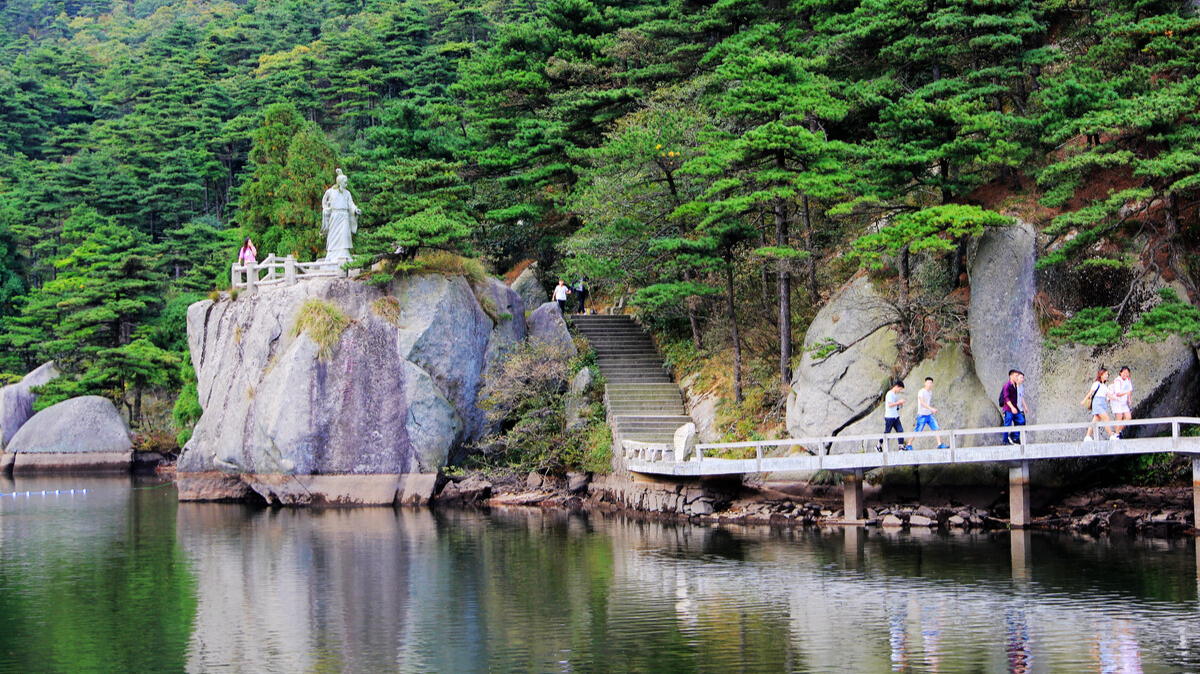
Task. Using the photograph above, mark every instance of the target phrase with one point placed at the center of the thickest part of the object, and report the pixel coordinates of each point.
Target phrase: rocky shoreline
(1158, 512)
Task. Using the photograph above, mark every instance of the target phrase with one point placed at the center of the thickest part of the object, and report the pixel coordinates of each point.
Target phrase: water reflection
(420, 591)
(130, 581)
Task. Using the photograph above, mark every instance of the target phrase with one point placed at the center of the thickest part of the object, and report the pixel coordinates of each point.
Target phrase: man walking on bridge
(926, 410)
(892, 403)
(1010, 404)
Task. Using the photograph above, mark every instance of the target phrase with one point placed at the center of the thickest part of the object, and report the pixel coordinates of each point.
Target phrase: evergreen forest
(722, 164)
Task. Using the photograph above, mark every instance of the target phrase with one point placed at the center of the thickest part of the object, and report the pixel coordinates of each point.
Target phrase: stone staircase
(643, 402)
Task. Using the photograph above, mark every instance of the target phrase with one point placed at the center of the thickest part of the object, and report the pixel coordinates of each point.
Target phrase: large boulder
(16, 400)
(960, 400)
(507, 310)
(849, 357)
(395, 392)
(79, 425)
(1003, 322)
(546, 324)
(529, 286)
(1005, 288)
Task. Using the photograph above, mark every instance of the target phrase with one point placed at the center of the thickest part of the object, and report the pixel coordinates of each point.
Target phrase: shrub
(529, 376)
(526, 388)
(187, 411)
(324, 324)
(489, 307)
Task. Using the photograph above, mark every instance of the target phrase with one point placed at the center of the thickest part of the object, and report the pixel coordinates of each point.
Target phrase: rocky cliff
(372, 382)
(851, 355)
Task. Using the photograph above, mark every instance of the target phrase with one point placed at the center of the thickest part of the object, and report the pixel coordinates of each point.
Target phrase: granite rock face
(16, 400)
(832, 390)
(397, 391)
(841, 392)
(1005, 335)
(79, 425)
(529, 286)
(546, 324)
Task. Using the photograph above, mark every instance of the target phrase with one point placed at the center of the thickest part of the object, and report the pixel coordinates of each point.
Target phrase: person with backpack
(1010, 405)
(581, 291)
(1097, 399)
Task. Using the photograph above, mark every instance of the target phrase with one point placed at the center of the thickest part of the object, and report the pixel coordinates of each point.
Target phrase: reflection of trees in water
(525, 590)
(95, 582)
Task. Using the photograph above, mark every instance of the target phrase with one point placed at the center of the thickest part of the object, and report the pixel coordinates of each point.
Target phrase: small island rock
(78, 425)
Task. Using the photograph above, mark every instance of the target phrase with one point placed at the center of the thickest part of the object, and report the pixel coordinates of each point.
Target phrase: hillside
(725, 165)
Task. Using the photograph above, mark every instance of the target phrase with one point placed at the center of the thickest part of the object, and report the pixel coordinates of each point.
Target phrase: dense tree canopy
(696, 156)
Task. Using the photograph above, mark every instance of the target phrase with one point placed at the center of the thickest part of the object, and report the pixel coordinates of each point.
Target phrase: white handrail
(278, 270)
(645, 455)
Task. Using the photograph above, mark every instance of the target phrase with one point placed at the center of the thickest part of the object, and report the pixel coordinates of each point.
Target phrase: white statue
(339, 220)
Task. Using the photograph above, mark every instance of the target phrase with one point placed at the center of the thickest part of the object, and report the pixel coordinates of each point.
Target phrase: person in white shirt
(926, 410)
(1122, 388)
(560, 295)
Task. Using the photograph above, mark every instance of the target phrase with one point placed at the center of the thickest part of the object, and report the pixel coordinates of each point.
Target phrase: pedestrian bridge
(852, 455)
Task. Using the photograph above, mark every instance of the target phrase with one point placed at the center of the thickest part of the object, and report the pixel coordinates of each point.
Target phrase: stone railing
(279, 271)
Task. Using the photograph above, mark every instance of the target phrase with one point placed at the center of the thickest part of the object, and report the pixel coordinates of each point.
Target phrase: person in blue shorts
(926, 410)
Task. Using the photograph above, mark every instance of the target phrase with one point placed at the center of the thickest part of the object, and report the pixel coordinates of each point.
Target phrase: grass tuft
(387, 308)
(442, 262)
(324, 324)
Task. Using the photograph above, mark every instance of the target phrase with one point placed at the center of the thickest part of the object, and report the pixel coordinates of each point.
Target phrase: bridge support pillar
(1196, 494)
(1018, 495)
(852, 496)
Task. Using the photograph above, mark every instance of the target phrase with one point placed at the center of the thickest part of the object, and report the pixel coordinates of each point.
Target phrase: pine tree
(776, 156)
(293, 166)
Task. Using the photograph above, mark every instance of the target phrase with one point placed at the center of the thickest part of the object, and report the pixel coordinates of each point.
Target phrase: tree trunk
(785, 296)
(693, 320)
(902, 266)
(956, 261)
(733, 332)
(1171, 217)
(765, 285)
(136, 417)
(810, 263)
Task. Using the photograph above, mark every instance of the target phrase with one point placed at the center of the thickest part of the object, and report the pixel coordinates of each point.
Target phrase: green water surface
(123, 578)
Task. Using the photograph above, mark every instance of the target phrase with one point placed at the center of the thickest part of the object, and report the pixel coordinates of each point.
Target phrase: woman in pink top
(249, 254)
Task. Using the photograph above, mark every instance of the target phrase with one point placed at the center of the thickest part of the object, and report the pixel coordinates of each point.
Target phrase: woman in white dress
(1122, 388)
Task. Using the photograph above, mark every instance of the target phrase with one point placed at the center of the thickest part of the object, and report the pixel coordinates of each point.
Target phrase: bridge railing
(279, 271)
(1071, 432)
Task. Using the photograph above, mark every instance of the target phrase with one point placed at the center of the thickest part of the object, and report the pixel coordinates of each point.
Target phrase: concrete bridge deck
(852, 455)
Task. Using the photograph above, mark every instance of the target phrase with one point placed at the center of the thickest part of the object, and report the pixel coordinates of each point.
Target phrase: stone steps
(644, 403)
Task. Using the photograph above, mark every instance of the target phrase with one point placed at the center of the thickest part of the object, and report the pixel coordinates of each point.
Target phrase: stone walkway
(643, 402)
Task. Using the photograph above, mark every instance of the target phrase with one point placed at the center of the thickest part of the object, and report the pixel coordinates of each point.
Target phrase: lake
(123, 578)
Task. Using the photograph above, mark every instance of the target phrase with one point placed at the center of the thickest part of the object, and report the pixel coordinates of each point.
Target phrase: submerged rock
(16, 400)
